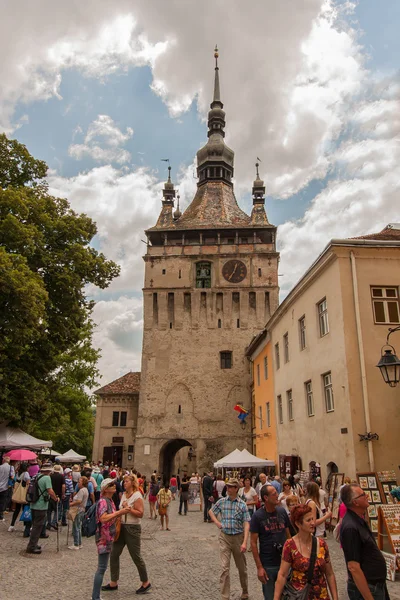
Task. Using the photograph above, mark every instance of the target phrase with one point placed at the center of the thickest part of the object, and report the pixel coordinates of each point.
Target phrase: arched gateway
(167, 456)
(210, 285)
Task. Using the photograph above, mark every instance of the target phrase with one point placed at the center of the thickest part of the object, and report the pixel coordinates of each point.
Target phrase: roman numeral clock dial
(234, 271)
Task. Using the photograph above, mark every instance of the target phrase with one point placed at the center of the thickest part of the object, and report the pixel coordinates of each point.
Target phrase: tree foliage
(46, 357)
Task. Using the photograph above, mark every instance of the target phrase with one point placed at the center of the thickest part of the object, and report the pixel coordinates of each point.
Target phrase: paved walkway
(183, 564)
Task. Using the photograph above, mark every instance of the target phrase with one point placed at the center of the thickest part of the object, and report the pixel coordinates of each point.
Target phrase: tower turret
(165, 219)
(258, 214)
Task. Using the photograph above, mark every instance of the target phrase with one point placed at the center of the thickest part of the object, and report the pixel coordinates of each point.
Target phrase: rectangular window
(123, 419)
(268, 414)
(302, 332)
(309, 398)
(115, 419)
(286, 347)
(226, 360)
(260, 416)
(323, 318)
(280, 409)
(277, 357)
(265, 367)
(258, 375)
(289, 398)
(328, 392)
(385, 303)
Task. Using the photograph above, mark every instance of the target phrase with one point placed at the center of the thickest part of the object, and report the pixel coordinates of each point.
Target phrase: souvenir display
(335, 483)
(389, 529)
(388, 482)
(370, 484)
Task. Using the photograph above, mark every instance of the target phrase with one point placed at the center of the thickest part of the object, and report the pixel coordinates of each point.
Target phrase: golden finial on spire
(216, 54)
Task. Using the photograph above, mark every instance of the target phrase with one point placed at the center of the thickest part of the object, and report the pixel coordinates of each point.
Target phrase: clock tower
(211, 284)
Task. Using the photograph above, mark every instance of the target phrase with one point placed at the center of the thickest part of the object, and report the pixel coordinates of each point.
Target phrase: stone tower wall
(184, 392)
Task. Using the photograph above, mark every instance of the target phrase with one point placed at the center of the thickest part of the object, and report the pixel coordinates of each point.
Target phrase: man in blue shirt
(270, 525)
(234, 532)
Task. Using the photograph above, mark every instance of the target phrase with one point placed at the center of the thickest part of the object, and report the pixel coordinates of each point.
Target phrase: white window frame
(309, 399)
(289, 399)
(302, 333)
(280, 408)
(277, 356)
(323, 317)
(258, 374)
(265, 367)
(268, 414)
(286, 355)
(328, 392)
(385, 300)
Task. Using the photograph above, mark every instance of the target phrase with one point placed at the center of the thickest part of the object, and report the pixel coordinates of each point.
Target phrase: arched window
(203, 275)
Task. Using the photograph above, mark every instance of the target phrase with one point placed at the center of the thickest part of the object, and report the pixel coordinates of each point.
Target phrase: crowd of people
(280, 521)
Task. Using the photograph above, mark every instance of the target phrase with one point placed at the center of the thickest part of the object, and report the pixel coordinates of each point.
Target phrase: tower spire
(217, 93)
(258, 214)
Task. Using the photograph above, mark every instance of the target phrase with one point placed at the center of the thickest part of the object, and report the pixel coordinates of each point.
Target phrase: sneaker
(11, 528)
(80, 547)
(73, 547)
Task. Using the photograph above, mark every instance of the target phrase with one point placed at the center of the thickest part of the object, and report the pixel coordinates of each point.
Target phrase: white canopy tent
(228, 460)
(12, 437)
(242, 458)
(49, 452)
(71, 457)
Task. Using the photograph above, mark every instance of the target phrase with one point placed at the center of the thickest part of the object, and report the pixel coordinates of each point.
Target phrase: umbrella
(21, 454)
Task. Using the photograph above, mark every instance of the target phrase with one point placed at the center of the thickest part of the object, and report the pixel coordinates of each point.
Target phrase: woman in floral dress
(296, 556)
(106, 516)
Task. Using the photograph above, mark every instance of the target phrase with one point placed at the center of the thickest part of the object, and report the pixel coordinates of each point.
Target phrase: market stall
(71, 457)
(12, 437)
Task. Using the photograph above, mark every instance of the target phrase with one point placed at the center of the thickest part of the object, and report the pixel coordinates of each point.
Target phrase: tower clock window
(203, 275)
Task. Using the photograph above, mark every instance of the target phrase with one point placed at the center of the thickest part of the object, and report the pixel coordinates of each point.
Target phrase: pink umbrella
(21, 454)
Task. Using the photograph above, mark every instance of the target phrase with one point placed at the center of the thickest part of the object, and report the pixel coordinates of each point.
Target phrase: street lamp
(389, 365)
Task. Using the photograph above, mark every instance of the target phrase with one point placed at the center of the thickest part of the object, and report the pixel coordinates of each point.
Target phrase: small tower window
(203, 275)
(219, 323)
(179, 409)
(259, 272)
(164, 271)
(226, 360)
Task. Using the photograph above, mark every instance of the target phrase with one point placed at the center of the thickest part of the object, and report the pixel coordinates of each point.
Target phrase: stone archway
(167, 456)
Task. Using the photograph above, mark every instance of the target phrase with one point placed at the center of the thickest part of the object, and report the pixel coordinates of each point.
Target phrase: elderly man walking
(6, 473)
(365, 564)
(234, 526)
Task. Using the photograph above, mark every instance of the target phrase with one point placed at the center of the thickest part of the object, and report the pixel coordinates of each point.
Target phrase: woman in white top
(80, 500)
(129, 535)
(285, 493)
(219, 485)
(312, 499)
(249, 495)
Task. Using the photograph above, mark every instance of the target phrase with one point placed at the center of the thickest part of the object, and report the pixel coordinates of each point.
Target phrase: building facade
(116, 420)
(259, 353)
(210, 285)
(326, 342)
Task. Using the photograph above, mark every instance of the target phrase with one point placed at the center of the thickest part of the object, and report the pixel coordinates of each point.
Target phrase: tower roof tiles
(127, 384)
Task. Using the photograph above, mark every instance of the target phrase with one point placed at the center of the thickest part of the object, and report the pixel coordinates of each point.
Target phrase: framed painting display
(387, 481)
(194, 500)
(370, 484)
(335, 483)
(389, 529)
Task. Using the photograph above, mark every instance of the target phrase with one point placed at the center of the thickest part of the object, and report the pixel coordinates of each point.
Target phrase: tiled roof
(214, 206)
(390, 232)
(127, 384)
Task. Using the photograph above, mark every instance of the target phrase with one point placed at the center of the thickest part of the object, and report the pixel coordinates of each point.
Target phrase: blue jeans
(269, 587)
(65, 507)
(98, 578)
(378, 591)
(77, 529)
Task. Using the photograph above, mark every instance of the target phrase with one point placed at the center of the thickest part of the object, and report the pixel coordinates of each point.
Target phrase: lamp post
(389, 364)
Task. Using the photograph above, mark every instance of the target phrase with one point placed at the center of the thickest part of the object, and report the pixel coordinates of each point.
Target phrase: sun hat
(57, 468)
(46, 467)
(113, 474)
(106, 483)
(232, 482)
(67, 470)
(96, 470)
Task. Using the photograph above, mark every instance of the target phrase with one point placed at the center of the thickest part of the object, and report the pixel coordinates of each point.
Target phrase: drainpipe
(362, 360)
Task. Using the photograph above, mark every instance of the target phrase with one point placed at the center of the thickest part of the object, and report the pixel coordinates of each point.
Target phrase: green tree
(46, 357)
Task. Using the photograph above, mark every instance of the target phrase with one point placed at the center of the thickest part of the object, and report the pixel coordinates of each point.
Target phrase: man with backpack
(39, 491)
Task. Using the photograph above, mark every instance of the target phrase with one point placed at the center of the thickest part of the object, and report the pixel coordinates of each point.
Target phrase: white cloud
(102, 142)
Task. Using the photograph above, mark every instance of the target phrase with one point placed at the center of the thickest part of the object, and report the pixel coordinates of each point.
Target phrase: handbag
(162, 510)
(72, 512)
(19, 494)
(289, 592)
(117, 529)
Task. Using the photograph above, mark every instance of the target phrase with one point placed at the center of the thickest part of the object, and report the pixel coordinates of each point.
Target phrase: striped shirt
(234, 514)
(69, 486)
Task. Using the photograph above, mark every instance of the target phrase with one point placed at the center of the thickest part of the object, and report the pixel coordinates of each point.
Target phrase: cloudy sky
(103, 90)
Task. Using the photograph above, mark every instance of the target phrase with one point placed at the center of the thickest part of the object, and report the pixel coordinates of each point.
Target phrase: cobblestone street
(183, 564)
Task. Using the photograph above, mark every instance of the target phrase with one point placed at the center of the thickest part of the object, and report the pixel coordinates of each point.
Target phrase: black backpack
(34, 492)
(90, 525)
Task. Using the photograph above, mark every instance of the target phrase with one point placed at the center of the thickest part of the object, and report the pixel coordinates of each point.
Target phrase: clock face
(234, 271)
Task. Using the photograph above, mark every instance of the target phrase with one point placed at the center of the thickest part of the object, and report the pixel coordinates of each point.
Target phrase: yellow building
(263, 406)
